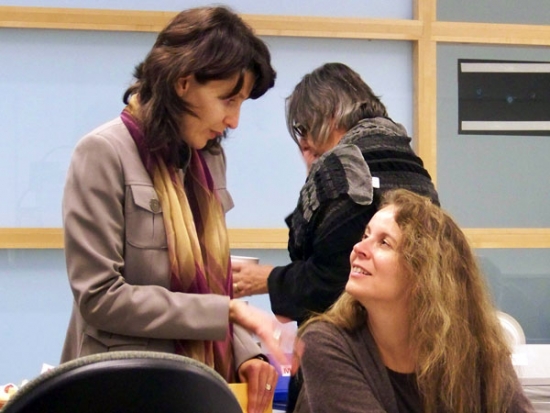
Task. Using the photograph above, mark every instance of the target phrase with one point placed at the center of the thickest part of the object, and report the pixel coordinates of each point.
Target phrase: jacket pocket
(144, 220)
(97, 341)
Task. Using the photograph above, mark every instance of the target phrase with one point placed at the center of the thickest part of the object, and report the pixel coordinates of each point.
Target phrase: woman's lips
(358, 270)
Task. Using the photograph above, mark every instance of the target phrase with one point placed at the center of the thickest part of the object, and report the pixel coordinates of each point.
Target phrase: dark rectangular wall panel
(503, 97)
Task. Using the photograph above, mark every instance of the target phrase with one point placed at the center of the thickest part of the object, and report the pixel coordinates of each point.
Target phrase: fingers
(251, 279)
(283, 319)
(241, 281)
(262, 398)
(262, 380)
(241, 289)
(275, 338)
(269, 390)
(238, 291)
(236, 266)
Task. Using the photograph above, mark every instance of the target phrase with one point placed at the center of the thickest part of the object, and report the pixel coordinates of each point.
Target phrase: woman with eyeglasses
(354, 152)
(146, 243)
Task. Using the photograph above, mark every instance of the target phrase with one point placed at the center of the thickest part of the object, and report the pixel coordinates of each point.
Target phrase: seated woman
(415, 329)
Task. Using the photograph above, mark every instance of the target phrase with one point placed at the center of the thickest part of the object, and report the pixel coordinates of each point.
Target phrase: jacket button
(155, 205)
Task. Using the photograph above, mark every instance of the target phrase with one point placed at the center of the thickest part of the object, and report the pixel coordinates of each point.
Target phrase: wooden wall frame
(423, 30)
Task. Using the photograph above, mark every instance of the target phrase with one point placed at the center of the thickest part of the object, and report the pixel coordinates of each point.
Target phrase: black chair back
(126, 382)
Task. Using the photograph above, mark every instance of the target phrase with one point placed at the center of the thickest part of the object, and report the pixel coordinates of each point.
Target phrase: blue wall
(396, 9)
(57, 85)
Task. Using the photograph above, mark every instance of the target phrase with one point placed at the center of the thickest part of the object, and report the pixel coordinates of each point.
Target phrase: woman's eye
(230, 101)
(386, 243)
(365, 236)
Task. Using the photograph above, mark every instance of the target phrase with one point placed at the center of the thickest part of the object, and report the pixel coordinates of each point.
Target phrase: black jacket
(335, 205)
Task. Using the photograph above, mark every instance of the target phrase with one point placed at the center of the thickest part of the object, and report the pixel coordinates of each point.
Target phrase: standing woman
(146, 244)
(415, 330)
(354, 152)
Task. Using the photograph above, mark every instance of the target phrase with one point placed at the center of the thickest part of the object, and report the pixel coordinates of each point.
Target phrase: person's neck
(390, 330)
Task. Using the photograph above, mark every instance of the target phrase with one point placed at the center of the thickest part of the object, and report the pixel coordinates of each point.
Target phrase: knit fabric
(373, 148)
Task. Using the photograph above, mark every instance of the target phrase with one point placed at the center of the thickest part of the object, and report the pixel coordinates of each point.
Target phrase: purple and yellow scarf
(198, 244)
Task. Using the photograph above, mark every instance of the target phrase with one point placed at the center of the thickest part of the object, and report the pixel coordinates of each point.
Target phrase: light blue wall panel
(58, 85)
(55, 86)
(520, 282)
(35, 304)
(495, 11)
(497, 181)
(489, 180)
(396, 9)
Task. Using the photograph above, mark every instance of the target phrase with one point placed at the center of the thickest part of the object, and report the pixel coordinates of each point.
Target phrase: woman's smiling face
(376, 271)
(215, 105)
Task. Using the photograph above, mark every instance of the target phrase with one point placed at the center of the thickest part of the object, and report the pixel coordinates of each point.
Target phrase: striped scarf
(198, 244)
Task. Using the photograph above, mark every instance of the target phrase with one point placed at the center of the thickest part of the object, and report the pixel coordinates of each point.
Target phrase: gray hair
(331, 97)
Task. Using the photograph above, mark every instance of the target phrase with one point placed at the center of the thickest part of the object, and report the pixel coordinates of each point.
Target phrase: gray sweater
(344, 373)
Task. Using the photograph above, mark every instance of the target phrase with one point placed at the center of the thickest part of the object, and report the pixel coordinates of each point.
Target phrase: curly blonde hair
(463, 362)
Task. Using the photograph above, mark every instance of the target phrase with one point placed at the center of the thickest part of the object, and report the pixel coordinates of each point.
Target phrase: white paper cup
(244, 260)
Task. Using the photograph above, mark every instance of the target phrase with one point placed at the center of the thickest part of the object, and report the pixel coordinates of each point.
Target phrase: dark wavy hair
(211, 43)
(331, 97)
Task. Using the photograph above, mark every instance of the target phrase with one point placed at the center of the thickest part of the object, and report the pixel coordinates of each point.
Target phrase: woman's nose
(232, 118)
(362, 248)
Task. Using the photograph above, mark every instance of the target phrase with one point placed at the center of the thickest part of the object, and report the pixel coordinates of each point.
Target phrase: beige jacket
(117, 259)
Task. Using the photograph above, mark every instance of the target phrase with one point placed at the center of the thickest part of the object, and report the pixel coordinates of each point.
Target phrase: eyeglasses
(299, 130)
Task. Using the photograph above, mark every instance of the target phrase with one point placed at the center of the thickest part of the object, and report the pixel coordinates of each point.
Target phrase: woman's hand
(249, 279)
(267, 329)
(262, 379)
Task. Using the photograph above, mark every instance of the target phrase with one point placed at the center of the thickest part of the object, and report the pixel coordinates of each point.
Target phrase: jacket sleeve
(310, 286)
(244, 346)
